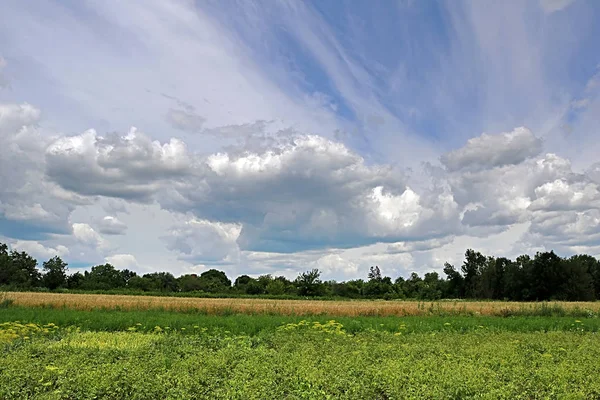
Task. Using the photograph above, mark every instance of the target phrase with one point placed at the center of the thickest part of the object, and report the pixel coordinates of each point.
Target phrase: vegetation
(544, 277)
(257, 306)
(242, 324)
(111, 354)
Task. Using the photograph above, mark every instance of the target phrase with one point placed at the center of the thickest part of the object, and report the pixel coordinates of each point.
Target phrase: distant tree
(55, 273)
(412, 286)
(127, 275)
(432, 287)
(6, 266)
(241, 282)
(140, 283)
(352, 289)
(471, 269)
(378, 286)
(375, 274)
(103, 277)
(74, 281)
(546, 277)
(309, 283)
(491, 282)
(275, 287)
(214, 281)
(455, 283)
(162, 281)
(190, 283)
(579, 283)
(592, 266)
(22, 271)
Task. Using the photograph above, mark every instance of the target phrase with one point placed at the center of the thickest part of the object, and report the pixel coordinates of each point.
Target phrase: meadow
(68, 351)
(350, 308)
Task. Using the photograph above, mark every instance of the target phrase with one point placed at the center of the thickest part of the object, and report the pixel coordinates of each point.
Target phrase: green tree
(162, 281)
(309, 283)
(579, 283)
(190, 283)
(276, 287)
(592, 265)
(455, 283)
(214, 281)
(23, 272)
(103, 277)
(546, 277)
(55, 273)
(74, 281)
(471, 269)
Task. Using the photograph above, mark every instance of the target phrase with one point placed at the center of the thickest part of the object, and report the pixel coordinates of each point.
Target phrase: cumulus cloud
(39, 251)
(311, 193)
(88, 236)
(291, 193)
(488, 151)
(121, 261)
(593, 172)
(14, 117)
(111, 226)
(204, 242)
(130, 167)
(30, 205)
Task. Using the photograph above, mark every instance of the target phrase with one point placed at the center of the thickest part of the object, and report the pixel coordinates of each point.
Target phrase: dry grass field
(296, 307)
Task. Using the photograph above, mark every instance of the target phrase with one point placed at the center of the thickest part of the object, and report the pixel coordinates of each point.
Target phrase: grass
(185, 322)
(303, 361)
(57, 352)
(221, 306)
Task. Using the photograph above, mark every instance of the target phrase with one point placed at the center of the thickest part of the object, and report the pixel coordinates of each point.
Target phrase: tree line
(546, 276)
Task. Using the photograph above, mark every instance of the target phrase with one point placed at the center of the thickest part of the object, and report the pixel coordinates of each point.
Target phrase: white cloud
(488, 151)
(130, 166)
(88, 236)
(204, 242)
(39, 251)
(121, 261)
(30, 205)
(14, 117)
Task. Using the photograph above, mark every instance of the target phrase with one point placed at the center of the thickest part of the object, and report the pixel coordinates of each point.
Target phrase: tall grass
(357, 308)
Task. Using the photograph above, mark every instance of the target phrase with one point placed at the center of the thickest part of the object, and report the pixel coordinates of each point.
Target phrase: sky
(273, 137)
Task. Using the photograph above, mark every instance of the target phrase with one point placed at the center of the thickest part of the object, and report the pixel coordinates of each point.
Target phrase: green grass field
(70, 354)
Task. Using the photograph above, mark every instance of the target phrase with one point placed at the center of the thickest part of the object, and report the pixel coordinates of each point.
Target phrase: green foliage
(55, 273)
(309, 283)
(544, 277)
(103, 277)
(214, 281)
(299, 359)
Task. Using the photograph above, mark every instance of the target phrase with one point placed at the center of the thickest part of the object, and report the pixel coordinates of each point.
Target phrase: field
(219, 306)
(81, 350)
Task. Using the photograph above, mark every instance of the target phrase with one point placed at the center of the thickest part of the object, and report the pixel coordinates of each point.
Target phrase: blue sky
(271, 137)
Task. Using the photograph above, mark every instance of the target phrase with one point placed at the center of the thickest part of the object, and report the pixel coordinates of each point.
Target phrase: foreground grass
(62, 353)
(302, 361)
(221, 306)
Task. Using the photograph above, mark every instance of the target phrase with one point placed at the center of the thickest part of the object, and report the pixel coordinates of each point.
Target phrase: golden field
(291, 307)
